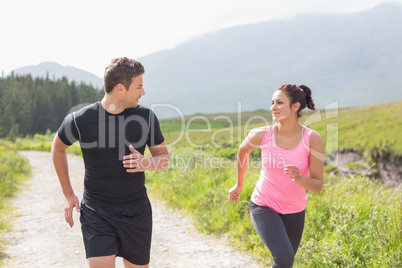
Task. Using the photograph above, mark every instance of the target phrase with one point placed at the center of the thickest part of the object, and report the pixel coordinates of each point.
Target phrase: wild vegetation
(31, 108)
(13, 170)
(353, 222)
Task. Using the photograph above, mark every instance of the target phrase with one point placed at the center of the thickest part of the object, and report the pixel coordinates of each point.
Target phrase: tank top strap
(267, 141)
(306, 138)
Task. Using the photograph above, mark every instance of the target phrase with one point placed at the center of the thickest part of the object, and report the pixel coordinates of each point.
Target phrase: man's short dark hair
(121, 70)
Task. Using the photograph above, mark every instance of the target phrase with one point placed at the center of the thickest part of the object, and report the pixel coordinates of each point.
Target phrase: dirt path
(41, 238)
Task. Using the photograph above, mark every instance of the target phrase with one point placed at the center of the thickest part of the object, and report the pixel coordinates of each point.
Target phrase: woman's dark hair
(300, 94)
(121, 70)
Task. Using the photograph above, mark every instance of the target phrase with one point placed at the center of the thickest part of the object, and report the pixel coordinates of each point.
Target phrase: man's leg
(128, 264)
(135, 233)
(102, 262)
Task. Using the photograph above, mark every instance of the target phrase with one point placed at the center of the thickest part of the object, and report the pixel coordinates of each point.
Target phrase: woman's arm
(315, 181)
(252, 141)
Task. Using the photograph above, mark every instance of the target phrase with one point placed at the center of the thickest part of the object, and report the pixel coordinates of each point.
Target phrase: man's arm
(60, 163)
(159, 159)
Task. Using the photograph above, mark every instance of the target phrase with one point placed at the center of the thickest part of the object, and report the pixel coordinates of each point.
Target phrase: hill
(370, 133)
(371, 130)
(350, 58)
(55, 71)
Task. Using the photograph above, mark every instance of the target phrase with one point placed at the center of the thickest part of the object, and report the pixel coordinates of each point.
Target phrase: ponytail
(309, 99)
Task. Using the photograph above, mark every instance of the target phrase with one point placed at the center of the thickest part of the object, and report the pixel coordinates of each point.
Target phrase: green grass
(13, 170)
(354, 222)
(219, 120)
(373, 131)
(43, 143)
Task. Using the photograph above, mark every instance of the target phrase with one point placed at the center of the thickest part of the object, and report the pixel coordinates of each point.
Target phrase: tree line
(34, 105)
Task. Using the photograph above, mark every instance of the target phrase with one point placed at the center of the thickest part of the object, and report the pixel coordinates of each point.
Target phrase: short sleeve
(155, 136)
(68, 132)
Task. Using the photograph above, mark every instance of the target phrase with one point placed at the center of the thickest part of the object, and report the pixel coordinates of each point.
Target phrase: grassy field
(42, 143)
(373, 131)
(13, 170)
(353, 222)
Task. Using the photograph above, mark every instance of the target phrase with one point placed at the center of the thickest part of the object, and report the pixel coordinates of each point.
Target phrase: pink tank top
(274, 188)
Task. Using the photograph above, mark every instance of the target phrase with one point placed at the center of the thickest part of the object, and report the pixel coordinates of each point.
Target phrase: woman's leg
(271, 228)
(294, 224)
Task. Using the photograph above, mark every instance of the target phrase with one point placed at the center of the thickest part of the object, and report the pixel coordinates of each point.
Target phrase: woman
(292, 161)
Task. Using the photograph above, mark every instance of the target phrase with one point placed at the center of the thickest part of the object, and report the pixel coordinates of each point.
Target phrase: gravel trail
(41, 237)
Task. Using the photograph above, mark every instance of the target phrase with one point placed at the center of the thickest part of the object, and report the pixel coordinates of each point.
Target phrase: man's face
(134, 92)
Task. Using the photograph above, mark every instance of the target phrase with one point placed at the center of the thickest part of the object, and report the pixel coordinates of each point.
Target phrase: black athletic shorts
(124, 231)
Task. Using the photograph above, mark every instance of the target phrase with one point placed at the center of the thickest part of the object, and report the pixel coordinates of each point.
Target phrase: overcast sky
(87, 33)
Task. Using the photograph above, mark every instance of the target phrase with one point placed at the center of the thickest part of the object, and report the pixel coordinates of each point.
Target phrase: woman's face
(280, 107)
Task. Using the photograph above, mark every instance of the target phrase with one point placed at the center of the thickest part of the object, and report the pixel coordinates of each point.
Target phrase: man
(115, 213)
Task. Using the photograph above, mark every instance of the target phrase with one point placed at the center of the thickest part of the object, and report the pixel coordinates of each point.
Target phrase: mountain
(354, 59)
(56, 71)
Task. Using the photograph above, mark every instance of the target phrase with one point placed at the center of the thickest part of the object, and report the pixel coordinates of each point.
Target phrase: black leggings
(280, 232)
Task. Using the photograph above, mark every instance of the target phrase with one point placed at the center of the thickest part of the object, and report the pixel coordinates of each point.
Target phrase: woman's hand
(235, 192)
(293, 172)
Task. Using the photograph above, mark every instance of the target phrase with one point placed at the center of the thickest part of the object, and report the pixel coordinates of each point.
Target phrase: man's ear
(120, 88)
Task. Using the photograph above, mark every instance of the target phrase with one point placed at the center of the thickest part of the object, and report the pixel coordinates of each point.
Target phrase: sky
(86, 34)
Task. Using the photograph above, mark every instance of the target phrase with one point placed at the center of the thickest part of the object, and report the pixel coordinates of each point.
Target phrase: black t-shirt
(104, 139)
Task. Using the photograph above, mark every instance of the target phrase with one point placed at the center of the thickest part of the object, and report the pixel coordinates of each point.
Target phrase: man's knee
(102, 262)
(128, 264)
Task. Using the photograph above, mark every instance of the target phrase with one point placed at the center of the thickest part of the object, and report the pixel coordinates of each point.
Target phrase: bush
(13, 169)
(354, 222)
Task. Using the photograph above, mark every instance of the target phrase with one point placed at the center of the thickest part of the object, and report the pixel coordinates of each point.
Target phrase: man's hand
(135, 162)
(59, 157)
(71, 202)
